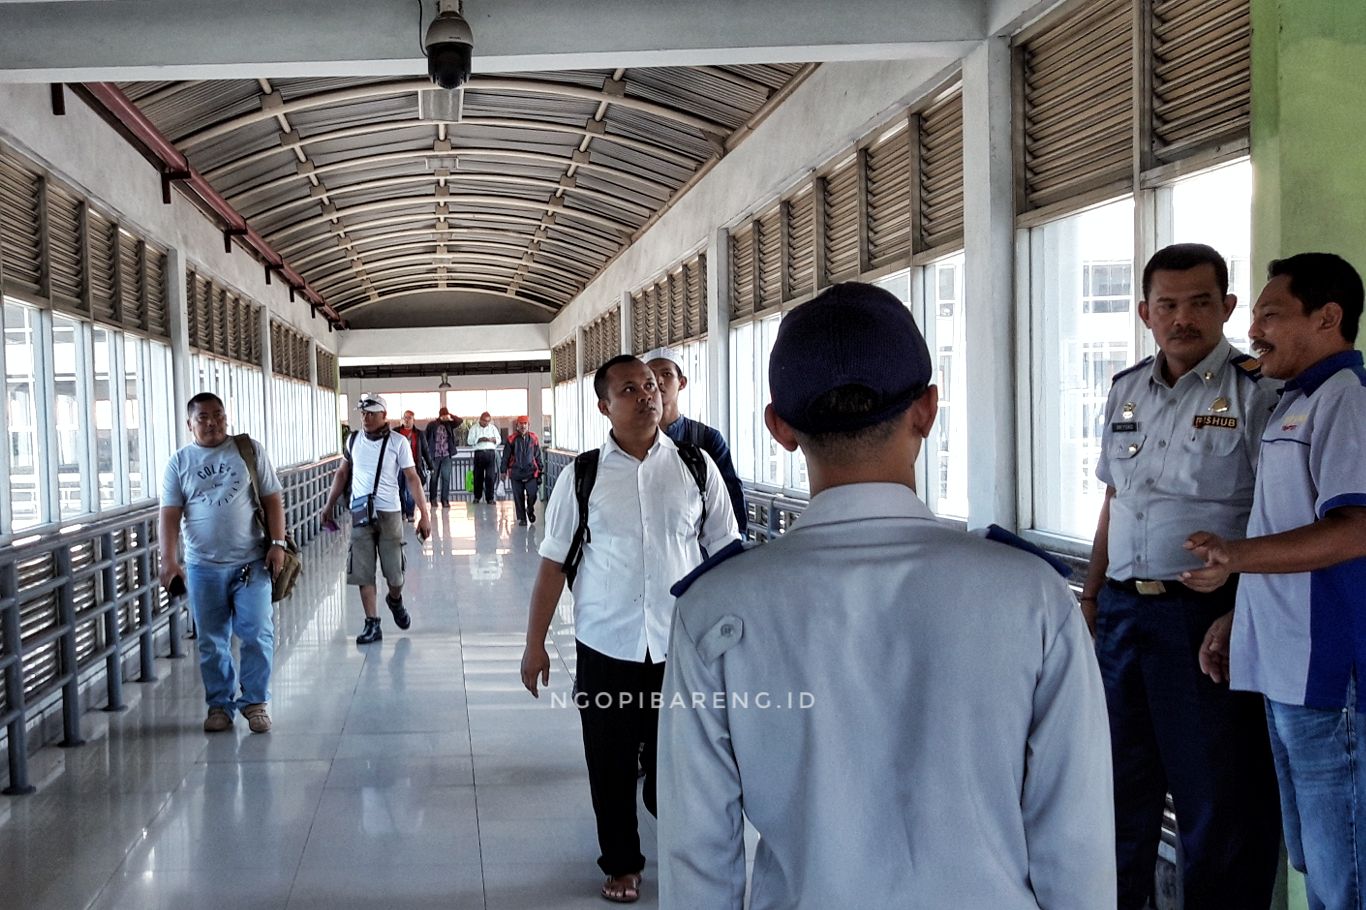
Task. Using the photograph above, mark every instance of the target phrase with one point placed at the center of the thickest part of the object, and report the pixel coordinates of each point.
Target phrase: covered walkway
(415, 772)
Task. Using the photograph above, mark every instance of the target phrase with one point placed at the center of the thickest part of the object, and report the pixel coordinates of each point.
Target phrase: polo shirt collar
(857, 502)
(675, 427)
(1318, 374)
(1208, 370)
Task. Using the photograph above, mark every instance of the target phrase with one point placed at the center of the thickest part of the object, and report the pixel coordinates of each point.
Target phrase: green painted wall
(1309, 129)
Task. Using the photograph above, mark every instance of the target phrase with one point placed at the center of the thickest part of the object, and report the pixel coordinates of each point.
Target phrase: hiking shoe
(531, 515)
(401, 617)
(217, 721)
(257, 718)
(371, 631)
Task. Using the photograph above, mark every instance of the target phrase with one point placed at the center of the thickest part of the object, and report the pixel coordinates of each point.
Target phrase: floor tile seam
(298, 867)
(133, 843)
(474, 771)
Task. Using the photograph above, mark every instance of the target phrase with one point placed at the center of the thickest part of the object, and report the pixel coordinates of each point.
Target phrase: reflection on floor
(415, 772)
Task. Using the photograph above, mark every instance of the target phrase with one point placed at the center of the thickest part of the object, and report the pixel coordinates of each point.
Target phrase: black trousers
(619, 714)
(485, 473)
(524, 497)
(1173, 730)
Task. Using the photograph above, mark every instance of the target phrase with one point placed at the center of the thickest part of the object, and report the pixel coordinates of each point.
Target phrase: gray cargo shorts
(382, 540)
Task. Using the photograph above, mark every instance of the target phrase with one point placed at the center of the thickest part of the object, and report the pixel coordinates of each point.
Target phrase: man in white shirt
(648, 521)
(485, 438)
(375, 463)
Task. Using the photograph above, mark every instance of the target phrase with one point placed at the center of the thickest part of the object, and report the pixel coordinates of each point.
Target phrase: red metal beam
(119, 109)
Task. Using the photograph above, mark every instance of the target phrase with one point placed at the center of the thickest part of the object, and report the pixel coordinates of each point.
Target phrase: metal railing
(88, 595)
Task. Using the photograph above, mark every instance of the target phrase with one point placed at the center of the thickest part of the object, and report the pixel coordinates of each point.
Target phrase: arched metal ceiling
(540, 183)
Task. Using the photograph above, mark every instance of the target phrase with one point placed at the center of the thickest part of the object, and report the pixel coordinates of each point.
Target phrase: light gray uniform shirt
(911, 717)
(1182, 458)
(213, 488)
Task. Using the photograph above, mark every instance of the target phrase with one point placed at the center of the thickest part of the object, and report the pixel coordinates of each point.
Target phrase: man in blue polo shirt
(1299, 629)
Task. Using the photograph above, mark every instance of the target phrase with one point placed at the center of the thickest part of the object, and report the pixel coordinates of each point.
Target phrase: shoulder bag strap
(248, 453)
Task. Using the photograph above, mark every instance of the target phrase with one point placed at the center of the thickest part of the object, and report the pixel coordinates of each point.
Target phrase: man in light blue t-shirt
(1299, 629)
(229, 561)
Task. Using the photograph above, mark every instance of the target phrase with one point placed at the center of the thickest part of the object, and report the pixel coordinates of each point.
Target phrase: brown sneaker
(257, 718)
(217, 721)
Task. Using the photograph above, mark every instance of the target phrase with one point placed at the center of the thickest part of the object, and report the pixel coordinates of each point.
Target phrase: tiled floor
(415, 772)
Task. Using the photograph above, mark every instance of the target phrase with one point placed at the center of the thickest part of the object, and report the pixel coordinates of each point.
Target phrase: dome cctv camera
(449, 44)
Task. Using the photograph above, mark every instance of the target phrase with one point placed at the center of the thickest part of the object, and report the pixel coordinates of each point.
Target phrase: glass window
(1076, 262)
(27, 457)
(70, 415)
(946, 448)
(566, 426)
(134, 405)
(424, 405)
(1216, 208)
(162, 411)
(106, 344)
(773, 467)
(744, 403)
(547, 415)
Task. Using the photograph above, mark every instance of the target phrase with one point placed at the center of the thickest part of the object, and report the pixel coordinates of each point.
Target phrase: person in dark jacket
(667, 366)
(417, 440)
(443, 438)
(522, 465)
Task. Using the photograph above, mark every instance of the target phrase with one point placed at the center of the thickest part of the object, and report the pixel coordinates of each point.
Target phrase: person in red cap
(522, 466)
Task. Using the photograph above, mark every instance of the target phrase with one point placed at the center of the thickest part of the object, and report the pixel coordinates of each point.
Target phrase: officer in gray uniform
(910, 715)
(1179, 452)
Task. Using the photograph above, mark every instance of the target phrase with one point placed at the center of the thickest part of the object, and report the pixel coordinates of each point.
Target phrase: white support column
(989, 291)
(267, 380)
(578, 389)
(627, 342)
(178, 323)
(535, 414)
(317, 434)
(718, 332)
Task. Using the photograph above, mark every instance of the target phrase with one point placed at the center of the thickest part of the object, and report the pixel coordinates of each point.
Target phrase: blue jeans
(229, 600)
(440, 480)
(1319, 757)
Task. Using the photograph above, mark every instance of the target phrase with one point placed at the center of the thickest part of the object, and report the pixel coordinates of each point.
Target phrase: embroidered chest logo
(1216, 420)
(1293, 421)
(219, 484)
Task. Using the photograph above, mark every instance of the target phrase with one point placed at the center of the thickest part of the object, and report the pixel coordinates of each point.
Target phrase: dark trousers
(616, 706)
(1173, 730)
(440, 480)
(524, 497)
(485, 472)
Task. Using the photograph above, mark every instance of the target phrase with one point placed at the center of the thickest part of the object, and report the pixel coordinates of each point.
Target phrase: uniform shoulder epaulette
(1146, 361)
(1001, 535)
(1248, 366)
(729, 551)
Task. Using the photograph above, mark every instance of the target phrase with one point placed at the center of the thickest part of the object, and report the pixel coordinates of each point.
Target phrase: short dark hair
(600, 377)
(846, 445)
(1318, 279)
(1181, 257)
(202, 398)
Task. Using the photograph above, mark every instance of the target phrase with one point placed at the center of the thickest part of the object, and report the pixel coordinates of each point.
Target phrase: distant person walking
(485, 439)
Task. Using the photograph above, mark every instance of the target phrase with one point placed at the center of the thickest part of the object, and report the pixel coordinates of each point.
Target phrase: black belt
(1151, 587)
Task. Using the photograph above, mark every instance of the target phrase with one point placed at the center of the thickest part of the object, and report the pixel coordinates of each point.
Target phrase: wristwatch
(283, 545)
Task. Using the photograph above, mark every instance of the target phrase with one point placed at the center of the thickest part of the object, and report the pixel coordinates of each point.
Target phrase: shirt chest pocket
(1124, 454)
(1214, 462)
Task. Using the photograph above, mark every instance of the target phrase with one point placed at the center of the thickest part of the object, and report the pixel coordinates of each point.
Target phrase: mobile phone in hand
(177, 586)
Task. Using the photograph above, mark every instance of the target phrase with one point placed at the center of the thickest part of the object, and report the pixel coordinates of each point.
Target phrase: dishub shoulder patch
(729, 551)
(1248, 366)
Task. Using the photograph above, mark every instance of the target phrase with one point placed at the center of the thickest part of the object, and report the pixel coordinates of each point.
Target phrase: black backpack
(586, 474)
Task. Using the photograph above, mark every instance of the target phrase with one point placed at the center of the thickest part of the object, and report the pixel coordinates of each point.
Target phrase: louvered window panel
(252, 335)
(695, 299)
(801, 245)
(638, 323)
(66, 252)
(1077, 126)
(742, 272)
(890, 199)
(941, 173)
(103, 269)
(21, 245)
(613, 338)
(840, 198)
(769, 237)
(132, 296)
(1201, 74)
(158, 322)
(678, 294)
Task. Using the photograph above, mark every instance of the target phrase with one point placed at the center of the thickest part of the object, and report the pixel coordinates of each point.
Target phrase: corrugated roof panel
(624, 121)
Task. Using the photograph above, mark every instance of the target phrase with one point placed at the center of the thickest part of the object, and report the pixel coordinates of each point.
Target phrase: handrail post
(14, 682)
(113, 664)
(147, 602)
(66, 616)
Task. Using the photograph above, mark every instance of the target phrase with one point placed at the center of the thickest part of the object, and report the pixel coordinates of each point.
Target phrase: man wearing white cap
(667, 366)
(375, 463)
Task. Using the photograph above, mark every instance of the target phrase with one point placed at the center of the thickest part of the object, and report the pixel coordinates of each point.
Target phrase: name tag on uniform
(1124, 426)
(1216, 420)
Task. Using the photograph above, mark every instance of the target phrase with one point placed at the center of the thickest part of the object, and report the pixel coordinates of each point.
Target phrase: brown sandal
(617, 890)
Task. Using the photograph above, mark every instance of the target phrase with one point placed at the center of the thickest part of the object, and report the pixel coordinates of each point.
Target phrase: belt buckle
(1150, 587)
